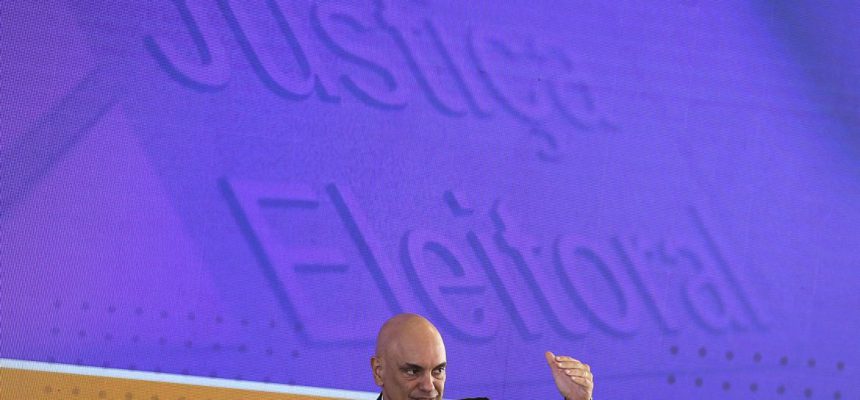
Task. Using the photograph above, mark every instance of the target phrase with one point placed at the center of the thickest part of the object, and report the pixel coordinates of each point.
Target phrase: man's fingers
(582, 381)
(570, 364)
(564, 362)
(578, 372)
(559, 359)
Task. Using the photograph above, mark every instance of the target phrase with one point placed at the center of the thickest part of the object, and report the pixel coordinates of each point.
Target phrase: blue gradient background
(246, 190)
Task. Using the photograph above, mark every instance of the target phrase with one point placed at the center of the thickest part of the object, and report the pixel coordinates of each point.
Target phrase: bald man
(410, 363)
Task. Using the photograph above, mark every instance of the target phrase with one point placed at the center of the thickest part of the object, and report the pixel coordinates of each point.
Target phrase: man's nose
(426, 384)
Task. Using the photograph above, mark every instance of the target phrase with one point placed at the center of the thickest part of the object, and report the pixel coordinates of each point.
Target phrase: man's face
(412, 368)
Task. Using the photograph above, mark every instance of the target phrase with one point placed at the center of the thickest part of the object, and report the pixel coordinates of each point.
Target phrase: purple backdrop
(246, 190)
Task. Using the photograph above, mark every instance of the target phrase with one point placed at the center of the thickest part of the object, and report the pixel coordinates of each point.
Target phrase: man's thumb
(550, 358)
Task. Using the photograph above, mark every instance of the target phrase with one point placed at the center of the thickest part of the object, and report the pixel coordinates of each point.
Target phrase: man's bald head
(410, 359)
(405, 328)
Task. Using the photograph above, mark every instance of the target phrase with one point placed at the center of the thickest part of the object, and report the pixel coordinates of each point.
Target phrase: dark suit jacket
(470, 398)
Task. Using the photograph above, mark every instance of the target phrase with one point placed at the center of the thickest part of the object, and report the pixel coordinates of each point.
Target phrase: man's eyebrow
(420, 368)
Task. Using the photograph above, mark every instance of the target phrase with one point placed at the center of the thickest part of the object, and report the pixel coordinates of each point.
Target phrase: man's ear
(376, 366)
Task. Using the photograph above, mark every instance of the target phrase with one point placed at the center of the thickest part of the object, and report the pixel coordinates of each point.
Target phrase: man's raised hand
(572, 377)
